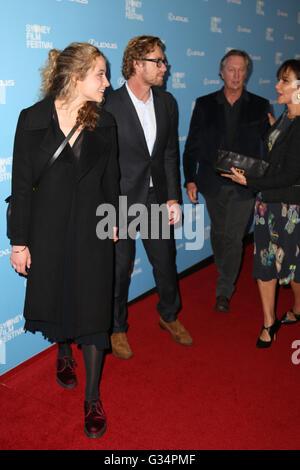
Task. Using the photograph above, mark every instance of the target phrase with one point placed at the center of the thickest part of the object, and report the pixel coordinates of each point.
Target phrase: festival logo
(5, 174)
(172, 17)
(37, 35)
(9, 330)
(177, 78)
(269, 34)
(282, 13)
(103, 44)
(3, 85)
(259, 7)
(278, 58)
(131, 13)
(208, 81)
(287, 37)
(215, 24)
(190, 53)
(242, 29)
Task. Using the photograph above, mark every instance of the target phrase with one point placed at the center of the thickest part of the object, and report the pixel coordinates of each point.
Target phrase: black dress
(66, 331)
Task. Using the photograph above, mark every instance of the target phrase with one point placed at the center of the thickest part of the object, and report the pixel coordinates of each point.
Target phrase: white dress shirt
(146, 114)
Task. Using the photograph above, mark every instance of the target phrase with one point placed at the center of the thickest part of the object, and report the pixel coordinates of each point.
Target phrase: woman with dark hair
(54, 242)
(277, 208)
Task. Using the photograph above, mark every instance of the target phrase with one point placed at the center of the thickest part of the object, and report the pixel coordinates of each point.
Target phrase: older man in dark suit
(147, 120)
(236, 120)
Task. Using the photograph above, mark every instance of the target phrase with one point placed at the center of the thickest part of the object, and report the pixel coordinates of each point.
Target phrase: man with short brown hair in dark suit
(147, 120)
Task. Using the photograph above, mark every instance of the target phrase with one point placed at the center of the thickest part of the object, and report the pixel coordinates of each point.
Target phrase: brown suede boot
(120, 346)
(177, 331)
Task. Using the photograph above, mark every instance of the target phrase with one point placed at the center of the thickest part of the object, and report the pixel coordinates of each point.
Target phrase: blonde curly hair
(58, 73)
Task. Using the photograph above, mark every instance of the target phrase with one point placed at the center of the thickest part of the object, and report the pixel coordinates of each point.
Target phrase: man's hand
(174, 211)
(115, 234)
(20, 259)
(192, 192)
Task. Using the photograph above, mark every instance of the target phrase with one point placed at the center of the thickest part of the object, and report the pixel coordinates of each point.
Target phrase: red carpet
(221, 393)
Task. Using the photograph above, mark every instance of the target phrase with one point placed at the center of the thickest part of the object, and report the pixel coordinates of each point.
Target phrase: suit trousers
(229, 217)
(161, 253)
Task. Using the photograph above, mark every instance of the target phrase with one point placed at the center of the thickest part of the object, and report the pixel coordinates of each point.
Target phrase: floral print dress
(276, 234)
(276, 241)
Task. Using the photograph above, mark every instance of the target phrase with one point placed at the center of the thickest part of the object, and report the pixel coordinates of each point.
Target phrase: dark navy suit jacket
(136, 164)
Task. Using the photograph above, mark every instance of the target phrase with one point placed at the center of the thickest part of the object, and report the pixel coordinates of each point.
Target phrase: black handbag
(47, 166)
(247, 166)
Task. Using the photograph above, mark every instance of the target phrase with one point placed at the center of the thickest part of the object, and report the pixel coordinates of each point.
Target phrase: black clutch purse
(247, 166)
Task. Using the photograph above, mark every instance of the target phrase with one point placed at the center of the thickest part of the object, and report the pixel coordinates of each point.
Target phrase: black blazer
(281, 183)
(207, 135)
(136, 164)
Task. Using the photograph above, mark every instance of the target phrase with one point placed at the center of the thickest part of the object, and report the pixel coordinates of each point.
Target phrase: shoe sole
(288, 321)
(66, 386)
(122, 357)
(95, 436)
(174, 338)
(222, 309)
(263, 344)
(260, 344)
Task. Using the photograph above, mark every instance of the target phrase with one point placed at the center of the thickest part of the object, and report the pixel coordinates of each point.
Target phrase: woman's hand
(20, 259)
(236, 176)
(115, 234)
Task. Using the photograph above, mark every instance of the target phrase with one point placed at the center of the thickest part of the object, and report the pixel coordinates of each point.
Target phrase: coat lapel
(282, 134)
(244, 111)
(132, 116)
(52, 140)
(93, 146)
(40, 118)
(160, 121)
(219, 118)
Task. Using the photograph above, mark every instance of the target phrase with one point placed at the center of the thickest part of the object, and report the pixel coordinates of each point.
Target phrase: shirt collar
(221, 99)
(135, 99)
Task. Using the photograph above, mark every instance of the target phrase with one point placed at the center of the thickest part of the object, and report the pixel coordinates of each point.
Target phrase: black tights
(93, 360)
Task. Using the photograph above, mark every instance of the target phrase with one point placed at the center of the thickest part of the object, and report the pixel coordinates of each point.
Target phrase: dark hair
(137, 48)
(236, 52)
(291, 64)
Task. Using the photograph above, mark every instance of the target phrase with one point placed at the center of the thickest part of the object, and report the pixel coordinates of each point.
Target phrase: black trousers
(229, 217)
(161, 253)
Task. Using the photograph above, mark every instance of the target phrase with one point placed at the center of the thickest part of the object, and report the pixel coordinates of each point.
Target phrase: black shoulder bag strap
(55, 155)
(47, 166)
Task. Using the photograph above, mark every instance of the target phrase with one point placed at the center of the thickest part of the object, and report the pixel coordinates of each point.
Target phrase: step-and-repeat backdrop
(197, 33)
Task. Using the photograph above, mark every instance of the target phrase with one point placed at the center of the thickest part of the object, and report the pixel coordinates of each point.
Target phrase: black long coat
(207, 134)
(281, 182)
(40, 218)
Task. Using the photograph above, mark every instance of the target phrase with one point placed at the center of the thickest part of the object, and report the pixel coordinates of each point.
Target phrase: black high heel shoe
(271, 330)
(287, 321)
